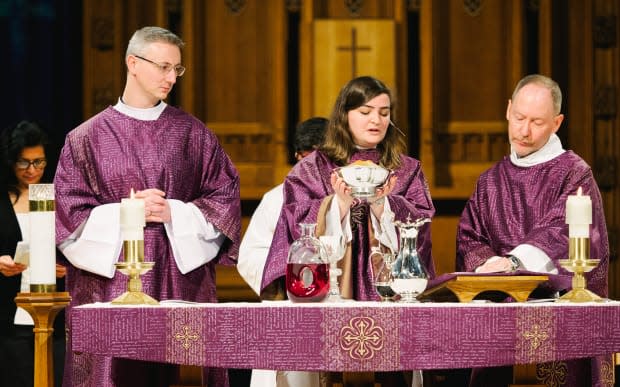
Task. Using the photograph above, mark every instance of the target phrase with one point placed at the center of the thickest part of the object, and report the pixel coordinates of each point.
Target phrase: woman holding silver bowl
(356, 184)
(345, 188)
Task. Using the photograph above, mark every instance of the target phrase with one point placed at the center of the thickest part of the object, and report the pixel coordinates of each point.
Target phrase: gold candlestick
(578, 262)
(134, 266)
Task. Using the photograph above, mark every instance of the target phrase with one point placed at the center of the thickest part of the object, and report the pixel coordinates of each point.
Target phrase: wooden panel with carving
(467, 64)
(251, 146)
(603, 27)
(238, 85)
(244, 62)
(350, 9)
(341, 40)
(461, 151)
(344, 50)
(102, 82)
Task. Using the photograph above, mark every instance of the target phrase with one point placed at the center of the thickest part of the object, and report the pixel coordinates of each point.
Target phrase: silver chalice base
(363, 192)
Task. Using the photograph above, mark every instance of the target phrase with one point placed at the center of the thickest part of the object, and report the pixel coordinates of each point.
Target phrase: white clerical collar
(148, 114)
(552, 149)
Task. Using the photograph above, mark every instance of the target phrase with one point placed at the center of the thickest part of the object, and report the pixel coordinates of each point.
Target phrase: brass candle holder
(134, 266)
(578, 263)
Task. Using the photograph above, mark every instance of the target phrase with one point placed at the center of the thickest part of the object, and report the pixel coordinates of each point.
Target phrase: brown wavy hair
(339, 145)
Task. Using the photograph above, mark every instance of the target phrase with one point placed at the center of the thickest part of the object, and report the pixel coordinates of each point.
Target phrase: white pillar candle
(132, 218)
(579, 215)
(42, 235)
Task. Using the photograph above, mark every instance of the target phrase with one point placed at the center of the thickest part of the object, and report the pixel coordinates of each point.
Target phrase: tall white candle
(132, 218)
(579, 215)
(42, 236)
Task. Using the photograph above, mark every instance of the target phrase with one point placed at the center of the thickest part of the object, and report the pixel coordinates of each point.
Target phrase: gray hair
(546, 82)
(147, 35)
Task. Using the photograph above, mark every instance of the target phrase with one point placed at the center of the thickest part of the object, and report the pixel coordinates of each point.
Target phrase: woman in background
(23, 155)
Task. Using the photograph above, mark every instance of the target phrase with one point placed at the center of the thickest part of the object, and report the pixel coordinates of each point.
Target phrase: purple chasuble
(101, 161)
(308, 184)
(514, 205)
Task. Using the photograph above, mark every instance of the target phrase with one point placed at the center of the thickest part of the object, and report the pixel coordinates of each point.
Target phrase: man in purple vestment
(515, 219)
(191, 194)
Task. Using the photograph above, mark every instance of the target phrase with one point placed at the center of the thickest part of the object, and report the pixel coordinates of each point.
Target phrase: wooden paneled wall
(316, 13)
(471, 54)
(468, 71)
(594, 96)
(243, 85)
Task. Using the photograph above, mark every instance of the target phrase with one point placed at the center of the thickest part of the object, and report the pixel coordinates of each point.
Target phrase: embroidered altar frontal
(352, 336)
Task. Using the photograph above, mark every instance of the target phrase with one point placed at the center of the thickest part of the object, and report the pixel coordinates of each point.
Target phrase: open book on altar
(520, 285)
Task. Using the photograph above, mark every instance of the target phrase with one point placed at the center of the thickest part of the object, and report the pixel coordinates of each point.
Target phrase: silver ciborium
(363, 177)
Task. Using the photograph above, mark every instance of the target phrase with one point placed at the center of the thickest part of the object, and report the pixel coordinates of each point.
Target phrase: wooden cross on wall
(345, 49)
(354, 48)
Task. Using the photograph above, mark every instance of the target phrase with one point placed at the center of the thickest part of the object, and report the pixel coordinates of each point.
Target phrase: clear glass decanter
(307, 272)
(410, 276)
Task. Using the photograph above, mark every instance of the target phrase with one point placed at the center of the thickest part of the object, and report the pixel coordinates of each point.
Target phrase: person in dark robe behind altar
(360, 128)
(192, 207)
(515, 218)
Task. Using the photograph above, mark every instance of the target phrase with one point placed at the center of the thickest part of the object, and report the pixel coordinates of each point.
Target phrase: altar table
(351, 336)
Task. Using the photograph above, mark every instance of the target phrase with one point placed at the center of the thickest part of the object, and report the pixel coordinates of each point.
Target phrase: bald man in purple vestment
(515, 219)
(192, 207)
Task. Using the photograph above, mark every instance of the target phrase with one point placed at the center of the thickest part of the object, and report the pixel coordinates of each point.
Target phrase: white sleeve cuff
(384, 228)
(534, 259)
(96, 244)
(333, 225)
(194, 241)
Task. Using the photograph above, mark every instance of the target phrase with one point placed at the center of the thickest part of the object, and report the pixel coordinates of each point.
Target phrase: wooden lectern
(43, 307)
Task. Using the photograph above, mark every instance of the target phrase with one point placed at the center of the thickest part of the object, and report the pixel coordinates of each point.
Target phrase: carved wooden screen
(345, 49)
(340, 40)
(468, 67)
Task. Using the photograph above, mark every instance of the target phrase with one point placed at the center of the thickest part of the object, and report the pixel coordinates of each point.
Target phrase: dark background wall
(41, 65)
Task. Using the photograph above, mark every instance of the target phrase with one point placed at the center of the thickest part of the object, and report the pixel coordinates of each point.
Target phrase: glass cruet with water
(307, 272)
(410, 276)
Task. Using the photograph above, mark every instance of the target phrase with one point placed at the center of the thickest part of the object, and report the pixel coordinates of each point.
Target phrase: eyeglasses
(165, 67)
(36, 163)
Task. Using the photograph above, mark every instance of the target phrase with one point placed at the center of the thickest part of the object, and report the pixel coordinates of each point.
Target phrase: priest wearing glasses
(190, 190)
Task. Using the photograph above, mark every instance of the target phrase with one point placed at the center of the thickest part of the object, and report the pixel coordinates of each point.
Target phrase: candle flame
(579, 191)
(132, 194)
